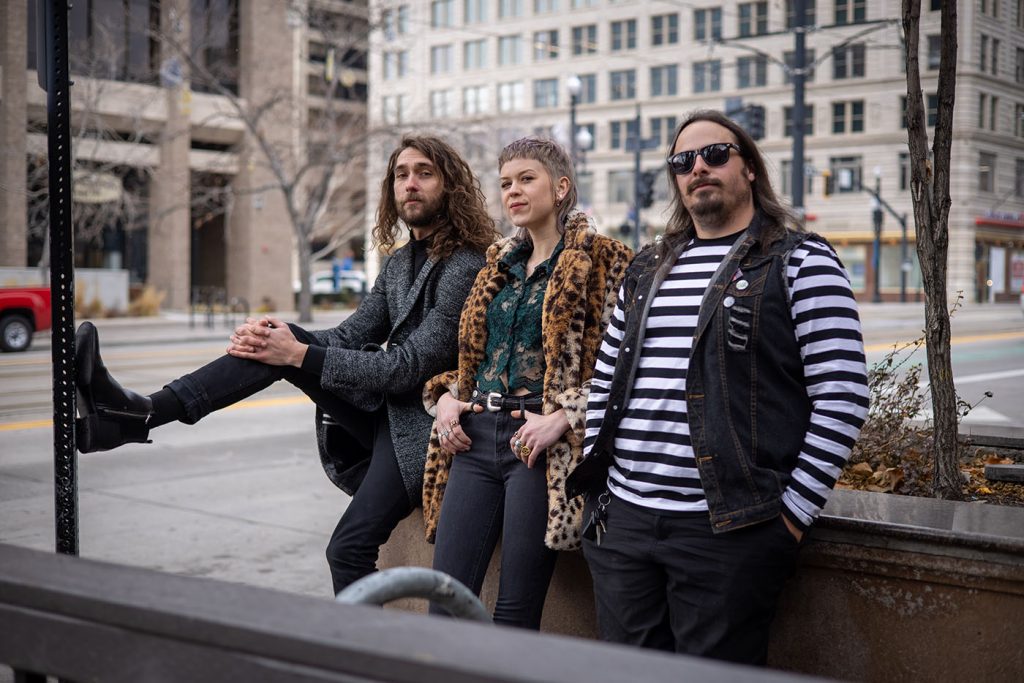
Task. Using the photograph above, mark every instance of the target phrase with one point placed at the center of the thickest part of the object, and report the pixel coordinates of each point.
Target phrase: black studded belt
(495, 401)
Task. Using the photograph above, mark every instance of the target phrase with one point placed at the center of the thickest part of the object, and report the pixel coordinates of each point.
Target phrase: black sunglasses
(713, 155)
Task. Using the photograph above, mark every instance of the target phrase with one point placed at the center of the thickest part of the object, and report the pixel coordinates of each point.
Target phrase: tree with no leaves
(929, 189)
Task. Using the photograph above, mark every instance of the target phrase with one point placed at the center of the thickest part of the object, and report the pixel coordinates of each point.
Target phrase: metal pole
(904, 264)
(53, 18)
(877, 260)
(798, 76)
(573, 147)
(384, 586)
(636, 180)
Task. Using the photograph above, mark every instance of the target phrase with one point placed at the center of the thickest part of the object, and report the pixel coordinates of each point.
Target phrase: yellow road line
(965, 339)
(46, 360)
(255, 403)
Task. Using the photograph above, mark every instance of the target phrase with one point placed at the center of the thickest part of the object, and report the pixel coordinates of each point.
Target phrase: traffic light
(828, 187)
(647, 180)
(755, 121)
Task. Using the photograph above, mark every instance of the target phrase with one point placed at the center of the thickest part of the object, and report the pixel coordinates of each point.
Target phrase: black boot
(110, 414)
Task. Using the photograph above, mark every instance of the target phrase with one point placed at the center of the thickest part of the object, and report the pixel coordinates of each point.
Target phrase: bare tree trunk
(305, 271)
(929, 187)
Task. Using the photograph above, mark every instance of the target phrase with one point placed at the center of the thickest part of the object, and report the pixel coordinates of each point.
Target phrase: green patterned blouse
(514, 356)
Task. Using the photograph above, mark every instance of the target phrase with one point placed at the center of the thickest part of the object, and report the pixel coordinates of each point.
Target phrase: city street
(241, 496)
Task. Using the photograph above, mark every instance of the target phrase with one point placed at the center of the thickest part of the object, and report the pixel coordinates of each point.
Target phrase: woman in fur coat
(510, 420)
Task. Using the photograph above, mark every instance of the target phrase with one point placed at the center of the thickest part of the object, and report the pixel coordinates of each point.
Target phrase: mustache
(702, 181)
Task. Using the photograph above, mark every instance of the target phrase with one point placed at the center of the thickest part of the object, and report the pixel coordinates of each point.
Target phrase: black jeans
(379, 504)
(670, 583)
(489, 493)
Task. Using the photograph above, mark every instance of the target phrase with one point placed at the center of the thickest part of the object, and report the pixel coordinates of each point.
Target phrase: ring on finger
(525, 451)
(453, 422)
(517, 445)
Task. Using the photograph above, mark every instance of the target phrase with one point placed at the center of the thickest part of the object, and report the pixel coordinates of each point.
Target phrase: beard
(716, 209)
(420, 215)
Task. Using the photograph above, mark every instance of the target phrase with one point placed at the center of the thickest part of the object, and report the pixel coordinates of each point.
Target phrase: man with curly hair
(366, 375)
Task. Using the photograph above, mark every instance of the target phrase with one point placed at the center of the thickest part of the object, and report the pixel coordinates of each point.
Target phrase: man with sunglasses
(729, 390)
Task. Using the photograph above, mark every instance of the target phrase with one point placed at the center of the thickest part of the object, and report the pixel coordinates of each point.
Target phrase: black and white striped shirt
(653, 463)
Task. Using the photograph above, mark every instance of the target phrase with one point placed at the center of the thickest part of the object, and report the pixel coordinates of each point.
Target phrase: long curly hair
(463, 221)
(779, 217)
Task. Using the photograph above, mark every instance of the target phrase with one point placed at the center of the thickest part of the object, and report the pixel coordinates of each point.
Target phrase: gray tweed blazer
(404, 332)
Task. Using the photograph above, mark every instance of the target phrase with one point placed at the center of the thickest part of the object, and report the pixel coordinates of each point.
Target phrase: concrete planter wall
(889, 588)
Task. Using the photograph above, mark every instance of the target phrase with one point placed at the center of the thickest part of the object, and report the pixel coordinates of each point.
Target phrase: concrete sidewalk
(881, 323)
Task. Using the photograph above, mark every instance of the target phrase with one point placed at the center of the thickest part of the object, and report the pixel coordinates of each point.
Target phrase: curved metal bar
(384, 586)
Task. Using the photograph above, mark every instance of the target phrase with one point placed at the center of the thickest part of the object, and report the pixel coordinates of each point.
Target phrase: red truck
(23, 312)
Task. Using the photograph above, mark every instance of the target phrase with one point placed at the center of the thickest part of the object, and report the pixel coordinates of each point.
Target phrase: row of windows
(751, 71)
(751, 17)
(989, 110)
(846, 117)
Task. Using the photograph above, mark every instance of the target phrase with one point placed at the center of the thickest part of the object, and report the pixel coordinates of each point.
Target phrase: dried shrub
(147, 303)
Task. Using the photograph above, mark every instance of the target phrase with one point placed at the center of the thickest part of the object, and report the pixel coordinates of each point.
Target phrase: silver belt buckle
(490, 406)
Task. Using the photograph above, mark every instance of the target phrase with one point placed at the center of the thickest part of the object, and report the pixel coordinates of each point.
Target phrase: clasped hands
(267, 340)
(534, 437)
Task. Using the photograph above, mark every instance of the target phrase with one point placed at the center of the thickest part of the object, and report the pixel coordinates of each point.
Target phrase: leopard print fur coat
(578, 304)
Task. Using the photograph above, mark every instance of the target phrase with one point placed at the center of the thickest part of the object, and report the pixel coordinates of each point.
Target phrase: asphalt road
(241, 496)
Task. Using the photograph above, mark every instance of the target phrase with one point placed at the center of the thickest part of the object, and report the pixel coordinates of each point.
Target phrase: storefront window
(891, 267)
(855, 260)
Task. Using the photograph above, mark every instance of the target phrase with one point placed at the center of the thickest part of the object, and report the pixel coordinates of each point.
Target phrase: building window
(585, 189)
(753, 19)
(986, 172)
(983, 52)
(850, 11)
(1018, 179)
(707, 76)
(995, 56)
(809, 10)
(584, 40)
(786, 173)
(620, 187)
(545, 93)
(1018, 120)
(545, 6)
(508, 9)
(588, 89)
(475, 11)
(510, 50)
(396, 64)
(787, 116)
(1018, 69)
(707, 24)
(440, 59)
(662, 128)
(993, 112)
(475, 100)
(1020, 14)
(623, 84)
(790, 59)
(545, 45)
(442, 13)
(394, 109)
(848, 62)
(474, 54)
(664, 29)
(934, 51)
(751, 72)
(395, 22)
(442, 104)
(846, 173)
(511, 97)
(663, 80)
(931, 109)
(583, 4)
(619, 132)
(904, 163)
(848, 117)
(623, 35)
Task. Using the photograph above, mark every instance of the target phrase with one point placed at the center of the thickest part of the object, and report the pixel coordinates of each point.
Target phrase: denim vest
(746, 401)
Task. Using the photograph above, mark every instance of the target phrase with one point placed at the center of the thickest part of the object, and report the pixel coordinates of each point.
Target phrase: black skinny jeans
(379, 504)
(489, 493)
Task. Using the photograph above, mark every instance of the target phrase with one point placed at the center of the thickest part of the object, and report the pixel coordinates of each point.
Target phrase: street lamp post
(574, 85)
(878, 216)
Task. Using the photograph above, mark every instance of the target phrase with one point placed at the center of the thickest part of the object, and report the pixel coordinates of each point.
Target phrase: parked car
(322, 284)
(23, 312)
